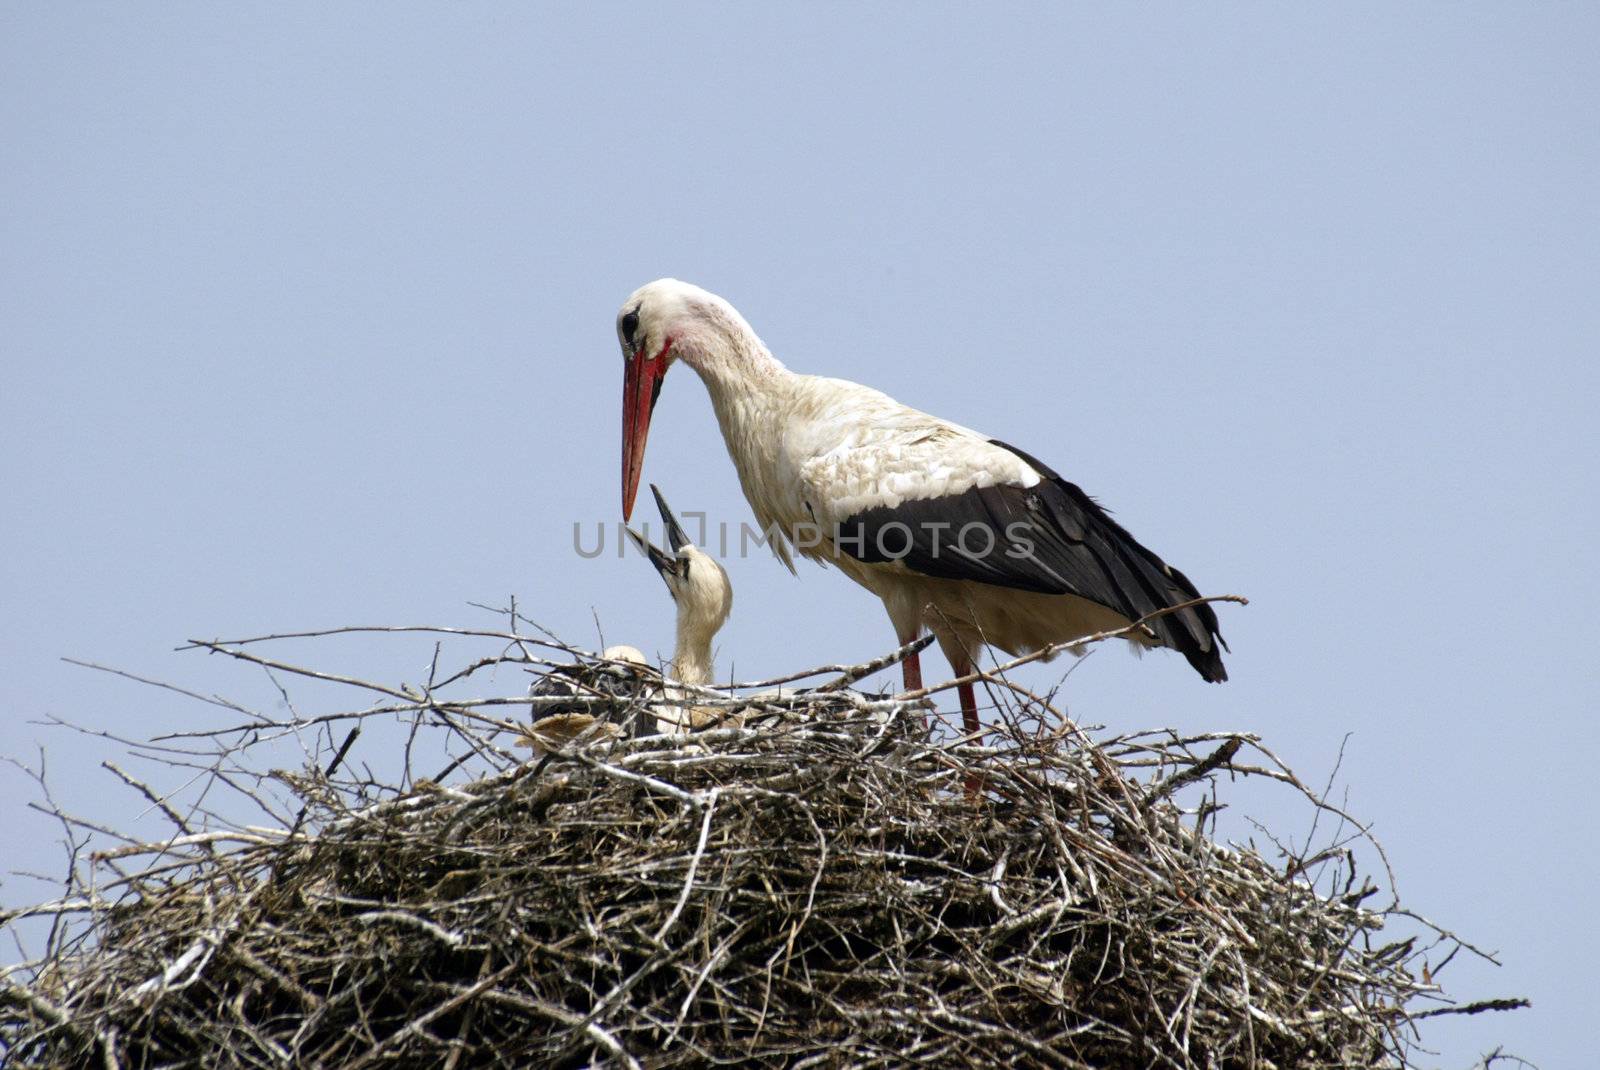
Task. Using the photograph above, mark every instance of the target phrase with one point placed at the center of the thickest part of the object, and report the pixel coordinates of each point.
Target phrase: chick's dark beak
(665, 564)
(676, 538)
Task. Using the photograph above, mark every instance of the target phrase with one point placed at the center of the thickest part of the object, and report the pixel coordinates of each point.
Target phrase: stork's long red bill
(641, 386)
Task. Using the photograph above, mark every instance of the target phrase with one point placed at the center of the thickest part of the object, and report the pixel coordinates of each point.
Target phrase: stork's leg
(970, 724)
(911, 669)
(911, 675)
(969, 706)
(906, 616)
(961, 664)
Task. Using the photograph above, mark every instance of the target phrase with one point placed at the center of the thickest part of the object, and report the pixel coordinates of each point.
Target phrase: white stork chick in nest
(700, 588)
(619, 674)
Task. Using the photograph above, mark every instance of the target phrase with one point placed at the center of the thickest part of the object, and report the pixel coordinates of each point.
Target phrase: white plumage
(834, 469)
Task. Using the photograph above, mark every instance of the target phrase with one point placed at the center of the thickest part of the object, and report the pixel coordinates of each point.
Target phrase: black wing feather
(1050, 538)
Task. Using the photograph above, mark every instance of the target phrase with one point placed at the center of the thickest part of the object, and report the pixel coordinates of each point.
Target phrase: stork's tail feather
(1193, 631)
(1203, 651)
(1208, 663)
(1131, 578)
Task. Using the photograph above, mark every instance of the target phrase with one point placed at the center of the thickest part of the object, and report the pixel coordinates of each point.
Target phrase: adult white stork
(955, 531)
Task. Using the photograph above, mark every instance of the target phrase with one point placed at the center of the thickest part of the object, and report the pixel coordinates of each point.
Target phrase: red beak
(641, 385)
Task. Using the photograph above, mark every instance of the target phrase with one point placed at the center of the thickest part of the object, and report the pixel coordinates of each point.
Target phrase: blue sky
(306, 319)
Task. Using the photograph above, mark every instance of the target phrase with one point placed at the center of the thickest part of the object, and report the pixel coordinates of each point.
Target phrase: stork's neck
(741, 374)
(751, 391)
(691, 661)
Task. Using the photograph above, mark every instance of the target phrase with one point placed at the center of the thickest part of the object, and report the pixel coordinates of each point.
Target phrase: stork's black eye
(630, 324)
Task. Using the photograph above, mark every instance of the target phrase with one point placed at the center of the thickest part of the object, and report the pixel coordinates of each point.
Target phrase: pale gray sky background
(306, 319)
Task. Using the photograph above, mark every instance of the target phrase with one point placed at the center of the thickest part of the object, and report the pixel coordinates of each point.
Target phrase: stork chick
(619, 675)
(700, 588)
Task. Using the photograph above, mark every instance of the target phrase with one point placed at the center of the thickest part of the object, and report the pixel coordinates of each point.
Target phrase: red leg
(969, 709)
(911, 672)
(971, 725)
(911, 676)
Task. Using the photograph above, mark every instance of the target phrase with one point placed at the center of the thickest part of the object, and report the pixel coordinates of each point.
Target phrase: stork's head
(695, 579)
(660, 323)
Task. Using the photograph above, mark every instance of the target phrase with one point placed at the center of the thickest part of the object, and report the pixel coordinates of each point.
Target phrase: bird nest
(828, 884)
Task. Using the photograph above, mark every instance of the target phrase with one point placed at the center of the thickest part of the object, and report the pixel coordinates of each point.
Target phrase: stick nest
(821, 886)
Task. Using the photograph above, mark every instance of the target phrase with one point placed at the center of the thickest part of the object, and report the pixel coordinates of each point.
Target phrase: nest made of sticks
(829, 884)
